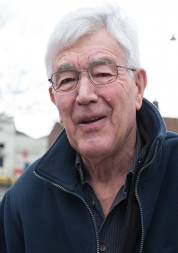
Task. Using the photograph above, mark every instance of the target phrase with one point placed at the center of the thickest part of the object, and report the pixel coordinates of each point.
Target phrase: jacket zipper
(137, 197)
(63, 189)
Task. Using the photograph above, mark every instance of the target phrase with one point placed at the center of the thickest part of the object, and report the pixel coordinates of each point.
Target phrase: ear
(51, 93)
(141, 82)
(54, 99)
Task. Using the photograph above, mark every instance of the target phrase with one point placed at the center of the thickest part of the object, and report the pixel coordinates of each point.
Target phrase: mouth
(89, 121)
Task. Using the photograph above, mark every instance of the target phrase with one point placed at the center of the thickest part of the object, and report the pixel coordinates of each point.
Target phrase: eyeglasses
(100, 73)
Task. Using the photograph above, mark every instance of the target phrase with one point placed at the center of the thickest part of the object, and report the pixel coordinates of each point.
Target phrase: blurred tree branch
(17, 84)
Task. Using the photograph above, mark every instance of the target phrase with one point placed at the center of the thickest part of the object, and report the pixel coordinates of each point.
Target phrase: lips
(88, 121)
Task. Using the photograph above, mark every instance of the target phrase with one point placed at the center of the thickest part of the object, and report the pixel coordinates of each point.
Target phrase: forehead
(88, 48)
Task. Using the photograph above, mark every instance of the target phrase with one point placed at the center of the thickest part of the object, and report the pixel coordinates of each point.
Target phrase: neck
(110, 168)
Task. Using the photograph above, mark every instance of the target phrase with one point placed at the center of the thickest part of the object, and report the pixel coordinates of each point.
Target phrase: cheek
(122, 101)
(58, 101)
(111, 93)
(115, 97)
(65, 107)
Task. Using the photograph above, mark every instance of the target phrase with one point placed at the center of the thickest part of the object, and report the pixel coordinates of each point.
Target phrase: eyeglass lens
(99, 73)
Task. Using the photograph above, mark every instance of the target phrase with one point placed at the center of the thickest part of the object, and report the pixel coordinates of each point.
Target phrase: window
(1, 155)
(1, 148)
(1, 161)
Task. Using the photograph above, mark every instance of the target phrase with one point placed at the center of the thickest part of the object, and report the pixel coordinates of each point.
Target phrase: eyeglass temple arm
(132, 69)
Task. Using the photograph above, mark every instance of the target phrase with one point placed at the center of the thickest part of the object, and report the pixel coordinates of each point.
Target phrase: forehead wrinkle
(69, 66)
(78, 61)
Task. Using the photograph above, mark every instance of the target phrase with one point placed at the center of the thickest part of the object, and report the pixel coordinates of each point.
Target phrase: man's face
(99, 120)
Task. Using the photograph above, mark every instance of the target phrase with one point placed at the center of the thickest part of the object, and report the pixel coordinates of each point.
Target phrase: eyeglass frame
(78, 72)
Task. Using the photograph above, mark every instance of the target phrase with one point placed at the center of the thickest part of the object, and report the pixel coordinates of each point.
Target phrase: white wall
(7, 137)
(19, 149)
(34, 149)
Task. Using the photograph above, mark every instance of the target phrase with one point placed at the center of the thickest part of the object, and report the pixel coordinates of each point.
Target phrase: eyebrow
(65, 67)
(91, 61)
(100, 60)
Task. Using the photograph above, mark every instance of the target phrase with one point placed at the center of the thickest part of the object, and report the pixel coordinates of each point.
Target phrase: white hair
(88, 20)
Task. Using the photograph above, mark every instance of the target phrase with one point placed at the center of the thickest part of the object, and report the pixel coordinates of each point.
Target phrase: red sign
(18, 172)
(25, 153)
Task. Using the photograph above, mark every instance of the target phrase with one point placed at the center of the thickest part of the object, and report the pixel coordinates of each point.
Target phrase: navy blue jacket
(45, 211)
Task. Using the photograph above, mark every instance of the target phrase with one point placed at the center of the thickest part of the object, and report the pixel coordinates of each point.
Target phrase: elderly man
(109, 181)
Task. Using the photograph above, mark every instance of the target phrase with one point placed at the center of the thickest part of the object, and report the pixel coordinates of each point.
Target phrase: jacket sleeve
(11, 240)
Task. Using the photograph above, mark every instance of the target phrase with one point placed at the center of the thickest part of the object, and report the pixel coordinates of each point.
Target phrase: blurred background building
(18, 151)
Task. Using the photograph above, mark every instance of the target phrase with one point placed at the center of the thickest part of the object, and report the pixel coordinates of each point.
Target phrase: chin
(94, 152)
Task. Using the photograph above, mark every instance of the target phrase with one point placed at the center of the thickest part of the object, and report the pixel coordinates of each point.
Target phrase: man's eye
(67, 80)
(103, 74)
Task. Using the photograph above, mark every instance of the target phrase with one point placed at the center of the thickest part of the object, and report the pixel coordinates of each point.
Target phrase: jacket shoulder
(171, 142)
(170, 135)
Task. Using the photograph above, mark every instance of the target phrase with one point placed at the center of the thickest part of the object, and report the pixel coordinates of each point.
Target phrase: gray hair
(88, 20)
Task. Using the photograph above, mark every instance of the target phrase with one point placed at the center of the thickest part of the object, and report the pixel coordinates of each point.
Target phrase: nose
(86, 90)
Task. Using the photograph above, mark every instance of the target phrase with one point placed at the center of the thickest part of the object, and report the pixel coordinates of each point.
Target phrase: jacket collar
(152, 121)
(58, 164)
